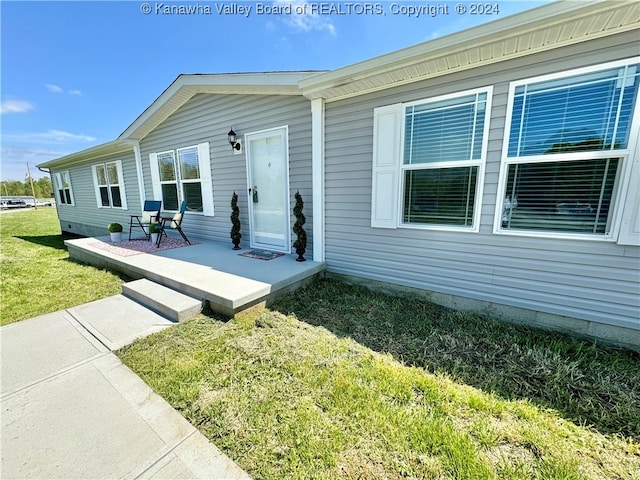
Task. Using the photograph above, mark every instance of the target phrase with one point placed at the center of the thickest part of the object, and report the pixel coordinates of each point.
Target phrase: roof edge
(185, 86)
(547, 15)
(98, 151)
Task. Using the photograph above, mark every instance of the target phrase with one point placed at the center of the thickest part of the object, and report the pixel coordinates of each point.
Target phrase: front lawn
(37, 275)
(339, 382)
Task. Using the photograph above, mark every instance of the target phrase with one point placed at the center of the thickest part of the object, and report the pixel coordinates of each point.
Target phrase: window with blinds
(179, 175)
(168, 180)
(568, 139)
(190, 177)
(443, 156)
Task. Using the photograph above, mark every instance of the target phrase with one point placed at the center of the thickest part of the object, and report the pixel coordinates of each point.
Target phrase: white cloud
(308, 21)
(15, 106)
(53, 88)
(15, 159)
(58, 89)
(49, 137)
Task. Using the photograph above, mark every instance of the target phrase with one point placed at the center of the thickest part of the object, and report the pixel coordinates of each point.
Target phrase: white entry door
(268, 189)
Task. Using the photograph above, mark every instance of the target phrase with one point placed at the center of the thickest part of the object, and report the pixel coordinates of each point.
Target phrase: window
(109, 185)
(441, 147)
(63, 185)
(183, 174)
(168, 180)
(569, 138)
(190, 176)
(442, 157)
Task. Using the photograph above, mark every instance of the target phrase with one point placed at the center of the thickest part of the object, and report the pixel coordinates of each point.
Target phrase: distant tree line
(15, 188)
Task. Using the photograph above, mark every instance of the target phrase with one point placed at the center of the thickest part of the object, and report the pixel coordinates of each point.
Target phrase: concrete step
(170, 303)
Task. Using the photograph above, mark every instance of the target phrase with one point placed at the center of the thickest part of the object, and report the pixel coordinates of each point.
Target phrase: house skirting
(599, 332)
(75, 229)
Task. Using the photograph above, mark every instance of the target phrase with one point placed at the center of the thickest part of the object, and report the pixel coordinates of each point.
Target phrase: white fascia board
(543, 17)
(267, 82)
(93, 153)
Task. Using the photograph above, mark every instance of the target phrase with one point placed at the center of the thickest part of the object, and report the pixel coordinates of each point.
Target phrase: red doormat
(127, 248)
(261, 254)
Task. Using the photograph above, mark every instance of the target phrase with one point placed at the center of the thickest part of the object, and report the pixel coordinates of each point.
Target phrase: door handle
(254, 193)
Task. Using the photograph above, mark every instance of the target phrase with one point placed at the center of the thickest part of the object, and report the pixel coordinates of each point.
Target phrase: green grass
(339, 382)
(37, 275)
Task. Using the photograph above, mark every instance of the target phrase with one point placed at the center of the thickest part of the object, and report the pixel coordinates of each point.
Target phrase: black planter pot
(300, 252)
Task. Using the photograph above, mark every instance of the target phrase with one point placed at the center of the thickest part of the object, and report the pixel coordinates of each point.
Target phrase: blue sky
(76, 74)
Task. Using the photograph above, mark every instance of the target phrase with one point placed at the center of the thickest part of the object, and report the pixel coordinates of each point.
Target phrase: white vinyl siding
(567, 147)
(85, 218)
(207, 118)
(570, 277)
(429, 159)
(108, 181)
(183, 174)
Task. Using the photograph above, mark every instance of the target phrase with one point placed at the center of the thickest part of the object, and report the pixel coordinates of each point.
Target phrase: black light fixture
(233, 140)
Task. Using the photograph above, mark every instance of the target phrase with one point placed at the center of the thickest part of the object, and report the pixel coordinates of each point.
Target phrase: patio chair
(150, 214)
(174, 223)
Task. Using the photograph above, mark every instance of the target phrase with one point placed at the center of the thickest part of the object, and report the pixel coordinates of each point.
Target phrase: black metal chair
(150, 214)
(174, 223)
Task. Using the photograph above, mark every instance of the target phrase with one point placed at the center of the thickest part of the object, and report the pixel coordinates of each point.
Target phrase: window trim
(120, 185)
(480, 163)
(622, 181)
(204, 169)
(59, 181)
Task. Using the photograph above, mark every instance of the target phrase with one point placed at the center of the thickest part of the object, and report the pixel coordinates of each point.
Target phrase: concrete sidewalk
(72, 410)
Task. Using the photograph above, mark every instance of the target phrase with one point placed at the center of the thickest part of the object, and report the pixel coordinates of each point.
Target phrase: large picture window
(183, 175)
(568, 139)
(109, 184)
(443, 156)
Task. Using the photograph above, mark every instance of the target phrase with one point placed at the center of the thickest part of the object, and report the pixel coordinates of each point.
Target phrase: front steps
(163, 300)
(212, 272)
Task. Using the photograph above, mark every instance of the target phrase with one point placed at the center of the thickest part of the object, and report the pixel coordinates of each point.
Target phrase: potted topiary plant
(153, 231)
(115, 231)
(301, 242)
(235, 222)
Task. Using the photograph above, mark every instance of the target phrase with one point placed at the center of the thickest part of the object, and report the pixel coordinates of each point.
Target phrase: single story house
(494, 169)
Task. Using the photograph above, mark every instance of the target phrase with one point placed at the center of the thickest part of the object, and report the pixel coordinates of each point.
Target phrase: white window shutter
(155, 177)
(630, 227)
(123, 193)
(94, 171)
(387, 138)
(204, 164)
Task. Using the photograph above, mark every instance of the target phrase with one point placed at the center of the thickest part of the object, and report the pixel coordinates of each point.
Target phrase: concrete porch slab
(209, 271)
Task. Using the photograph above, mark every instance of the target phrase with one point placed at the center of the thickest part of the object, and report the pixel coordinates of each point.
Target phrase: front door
(268, 189)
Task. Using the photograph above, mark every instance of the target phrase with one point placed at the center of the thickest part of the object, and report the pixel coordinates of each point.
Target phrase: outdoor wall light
(233, 140)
